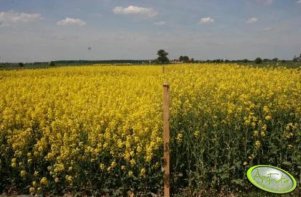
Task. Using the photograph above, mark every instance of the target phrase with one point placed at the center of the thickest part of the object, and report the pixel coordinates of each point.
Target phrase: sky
(45, 30)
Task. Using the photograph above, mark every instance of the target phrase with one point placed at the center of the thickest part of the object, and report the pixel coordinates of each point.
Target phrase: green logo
(271, 179)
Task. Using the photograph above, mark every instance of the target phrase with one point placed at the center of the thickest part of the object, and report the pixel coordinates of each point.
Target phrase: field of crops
(97, 129)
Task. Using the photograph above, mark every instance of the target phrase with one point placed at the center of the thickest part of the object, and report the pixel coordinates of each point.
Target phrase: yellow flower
(32, 190)
(257, 144)
(113, 164)
(139, 149)
(101, 166)
(13, 165)
(268, 117)
(255, 133)
(196, 134)
(179, 137)
(69, 178)
(36, 173)
(130, 173)
(264, 127)
(266, 109)
(34, 183)
(44, 181)
(142, 172)
(132, 162)
(23, 173)
(59, 168)
(87, 116)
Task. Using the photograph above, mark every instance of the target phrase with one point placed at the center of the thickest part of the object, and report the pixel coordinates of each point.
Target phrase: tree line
(162, 58)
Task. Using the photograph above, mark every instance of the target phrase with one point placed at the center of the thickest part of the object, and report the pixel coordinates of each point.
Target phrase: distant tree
(218, 60)
(21, 64)
(192, 59)
(245, 60)
(184, 59)
(296, 58)
(258, 60)
(266, 60)
(52, 63)
(181, 58)
(275, 59)
(162, 57)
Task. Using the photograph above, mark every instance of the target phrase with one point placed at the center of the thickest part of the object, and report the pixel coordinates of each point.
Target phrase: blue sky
(44, 30)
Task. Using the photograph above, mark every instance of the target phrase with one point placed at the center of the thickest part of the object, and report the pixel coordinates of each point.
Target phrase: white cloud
(265, 2)
(299, 1)
(160, 23)
(71, 21)
(12, 17)
(135, 10)
(252, 20)
(206, 20)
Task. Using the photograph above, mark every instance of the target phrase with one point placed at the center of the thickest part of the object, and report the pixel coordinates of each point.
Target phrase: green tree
(245, 60)
(184, 59)
(275, 59)
(51, 63)
(21, 64)
(162, 57)
(258, 60)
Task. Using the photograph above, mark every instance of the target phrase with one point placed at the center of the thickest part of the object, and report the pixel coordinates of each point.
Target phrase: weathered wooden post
(166, 137)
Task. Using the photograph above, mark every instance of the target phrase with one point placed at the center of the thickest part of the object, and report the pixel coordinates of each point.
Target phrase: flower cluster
(97, 127)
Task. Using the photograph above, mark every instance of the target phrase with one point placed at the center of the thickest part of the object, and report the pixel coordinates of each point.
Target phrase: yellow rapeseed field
(96, 128)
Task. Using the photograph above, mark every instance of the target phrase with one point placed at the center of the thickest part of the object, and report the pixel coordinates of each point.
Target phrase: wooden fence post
(166, 136)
